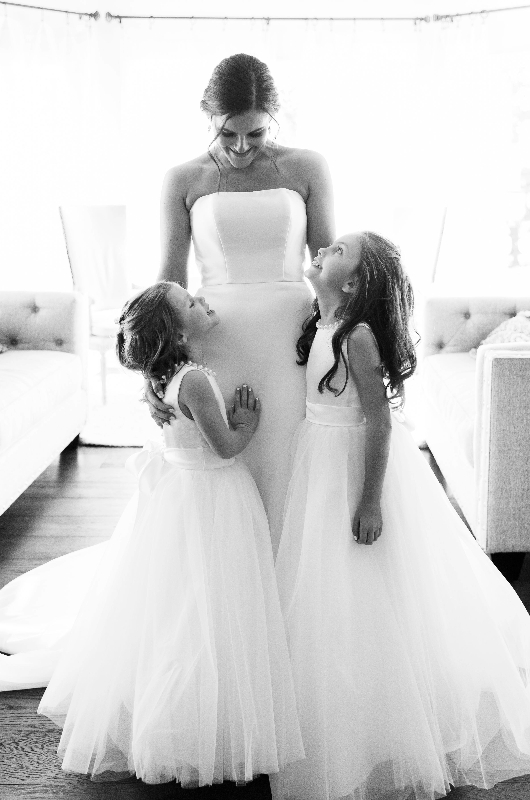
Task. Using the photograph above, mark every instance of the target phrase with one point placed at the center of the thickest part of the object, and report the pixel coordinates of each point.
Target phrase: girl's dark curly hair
(384, 300)
(238, 84)
(147, 340)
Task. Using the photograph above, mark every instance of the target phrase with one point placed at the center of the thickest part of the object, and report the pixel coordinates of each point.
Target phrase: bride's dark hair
(238, 84)
(385, 301)
(147, 339)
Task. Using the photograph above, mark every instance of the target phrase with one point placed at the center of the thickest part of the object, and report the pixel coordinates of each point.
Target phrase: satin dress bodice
(249, 237)
(327, 408)
(250, 250)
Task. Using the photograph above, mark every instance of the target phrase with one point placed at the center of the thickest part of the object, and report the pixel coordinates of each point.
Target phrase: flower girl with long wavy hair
(410, 651)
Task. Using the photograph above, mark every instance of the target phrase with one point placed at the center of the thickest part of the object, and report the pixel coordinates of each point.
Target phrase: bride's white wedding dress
(250, 250)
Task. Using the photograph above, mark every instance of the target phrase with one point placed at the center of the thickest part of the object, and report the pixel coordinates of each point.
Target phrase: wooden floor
(76, 502)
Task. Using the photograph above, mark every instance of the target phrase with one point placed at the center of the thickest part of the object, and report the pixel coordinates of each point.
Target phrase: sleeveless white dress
(410, 657)
(177, 666)
(250, 249)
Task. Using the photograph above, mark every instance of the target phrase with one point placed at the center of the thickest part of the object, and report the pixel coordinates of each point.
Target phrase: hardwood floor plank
(72, 506)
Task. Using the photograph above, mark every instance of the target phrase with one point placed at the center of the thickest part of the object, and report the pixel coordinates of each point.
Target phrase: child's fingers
(244, 395)
(355, 527)
(257, 405)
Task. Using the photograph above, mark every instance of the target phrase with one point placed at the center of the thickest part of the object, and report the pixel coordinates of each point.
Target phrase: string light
(94, 14)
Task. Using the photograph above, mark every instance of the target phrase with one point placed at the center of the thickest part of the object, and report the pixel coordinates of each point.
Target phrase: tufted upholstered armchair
(43, 392)
(477, 415)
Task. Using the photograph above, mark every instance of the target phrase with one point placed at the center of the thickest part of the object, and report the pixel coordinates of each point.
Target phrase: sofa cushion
(32, 382)
(449, 383)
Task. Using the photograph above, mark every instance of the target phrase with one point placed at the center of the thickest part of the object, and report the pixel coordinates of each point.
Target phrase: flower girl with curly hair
(177, 666)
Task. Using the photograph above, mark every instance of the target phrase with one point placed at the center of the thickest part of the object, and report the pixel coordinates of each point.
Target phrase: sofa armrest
(457, 324)
(502, 445)
(45, 321)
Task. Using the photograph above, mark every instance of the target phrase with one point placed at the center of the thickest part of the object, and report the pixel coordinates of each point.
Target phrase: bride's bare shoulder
(191, 179)
(304, 167)
(299, 158)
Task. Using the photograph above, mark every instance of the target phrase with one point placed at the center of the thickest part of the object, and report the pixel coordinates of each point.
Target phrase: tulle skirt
(177, 665)
(410, 657)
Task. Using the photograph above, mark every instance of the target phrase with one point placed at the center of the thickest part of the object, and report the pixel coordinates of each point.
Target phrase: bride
(251, 207)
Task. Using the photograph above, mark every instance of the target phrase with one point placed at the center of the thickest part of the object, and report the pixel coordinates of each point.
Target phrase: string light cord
(451, 17)
(416, 20)
(110, 17)
(95, 15)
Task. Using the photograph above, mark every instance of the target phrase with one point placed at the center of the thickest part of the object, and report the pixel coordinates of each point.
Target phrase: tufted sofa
(43, 392)
(477, 415)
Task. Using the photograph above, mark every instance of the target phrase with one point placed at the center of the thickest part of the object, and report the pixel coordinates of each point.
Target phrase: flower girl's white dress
(411, 657)
(177, 665)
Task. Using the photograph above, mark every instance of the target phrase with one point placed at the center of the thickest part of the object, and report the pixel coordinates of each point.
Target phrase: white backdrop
(413, 119)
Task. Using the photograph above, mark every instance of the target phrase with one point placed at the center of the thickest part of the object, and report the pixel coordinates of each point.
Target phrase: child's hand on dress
(246, 409)
(367, 522)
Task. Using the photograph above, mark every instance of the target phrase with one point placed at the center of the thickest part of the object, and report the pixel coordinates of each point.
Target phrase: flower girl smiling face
(161, 329)
(195, 317)
(334, 272)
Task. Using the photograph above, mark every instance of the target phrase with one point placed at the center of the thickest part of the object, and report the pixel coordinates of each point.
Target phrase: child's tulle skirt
(410, 657)
(177, 666)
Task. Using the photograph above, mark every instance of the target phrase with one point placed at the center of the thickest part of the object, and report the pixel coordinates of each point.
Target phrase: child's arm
(197, 398)
(365, 365)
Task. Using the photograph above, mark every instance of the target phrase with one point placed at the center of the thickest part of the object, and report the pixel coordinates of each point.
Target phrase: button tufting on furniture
(43, 397)
(477, 415)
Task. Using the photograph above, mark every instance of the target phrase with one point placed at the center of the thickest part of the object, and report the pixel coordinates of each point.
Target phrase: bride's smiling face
(242, 137)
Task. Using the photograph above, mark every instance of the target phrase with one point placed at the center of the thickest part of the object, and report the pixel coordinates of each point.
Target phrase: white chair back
(95, 241)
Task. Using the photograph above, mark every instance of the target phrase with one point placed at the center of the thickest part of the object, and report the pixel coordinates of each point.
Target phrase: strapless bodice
(249, 237)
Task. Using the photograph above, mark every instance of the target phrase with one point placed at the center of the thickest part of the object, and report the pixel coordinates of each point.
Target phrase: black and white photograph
(264, 400)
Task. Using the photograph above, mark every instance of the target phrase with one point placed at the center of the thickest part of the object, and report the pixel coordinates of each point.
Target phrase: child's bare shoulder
(194, 382)
(362, 345)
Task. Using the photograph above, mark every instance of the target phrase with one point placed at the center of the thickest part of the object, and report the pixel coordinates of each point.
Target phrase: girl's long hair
(385, 301)
(147, 339)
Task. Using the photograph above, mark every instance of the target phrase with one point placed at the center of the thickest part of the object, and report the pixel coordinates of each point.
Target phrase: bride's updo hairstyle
(238, 84)
(385, 301)
(147, 339)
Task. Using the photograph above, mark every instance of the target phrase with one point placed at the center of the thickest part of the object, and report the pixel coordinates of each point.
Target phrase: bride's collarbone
(257, 177)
